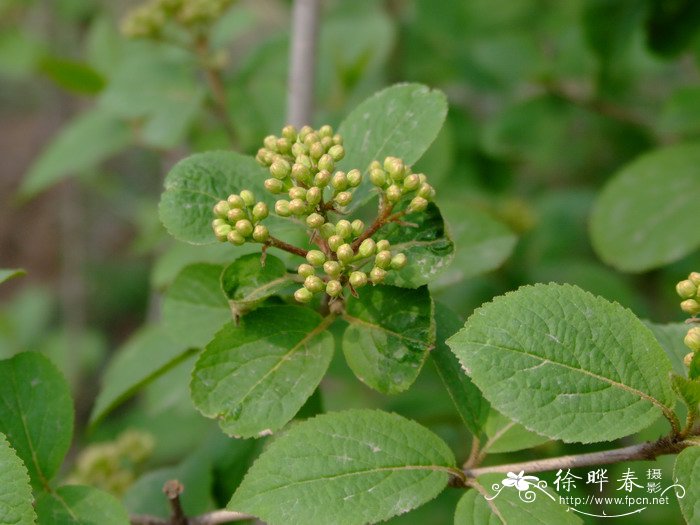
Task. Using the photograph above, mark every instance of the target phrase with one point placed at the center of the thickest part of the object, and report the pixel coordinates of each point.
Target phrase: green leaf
(254, 377)
(145, 356)
(15, 491)
(672, 26)
(688, 390)
(687, 472)
(694, 368)
(401, 121)
(246, 282)
(670, 337)
(505, 435)
(645, 216)
(390, 334)
(427, 246)
(566, 364)
(197, 183)
(10, 273)
(681, 112)
(71, 75)
(345, 468)
(36, 413)
(467, 398)
(87, 140)
(80, 505)
(195, 307)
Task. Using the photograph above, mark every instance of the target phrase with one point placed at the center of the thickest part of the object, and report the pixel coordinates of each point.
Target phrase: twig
(172, 489)
(277, 243)
(381, 220)
(302, 62)
(215, 517)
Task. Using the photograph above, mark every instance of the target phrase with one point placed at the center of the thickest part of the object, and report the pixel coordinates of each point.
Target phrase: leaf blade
(15, 490)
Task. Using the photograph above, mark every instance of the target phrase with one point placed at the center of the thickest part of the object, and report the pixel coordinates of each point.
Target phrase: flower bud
(377, 275)
(334, 242)
(334, 288)
(315, 257)
(357, 227)
(305, 270)
(261, 233)
(300, 172)
(280, 168)
(695, 278)
(343, 228)
(221, 208)
(411, 182)
(260, 211)
(383, 245)
(316, 151)
(377, 177)
(325, 131)
(337, 152)
(345, 253)
(313, 284)
(367, 248)
(314, 195)
(343, 198)
(304, 132)
(297, 192)
(393, 193)
(299, 149)
(337, 139)
(235, 201)
(686, 289)
(395, 168)
(265, 157)
(311, 138)
(297, 206)
(274, 185)
(322, 179)
(692, 339)
(235, 215)
(289, 132)
(327, 143)
(688, 359)
(248, 197)
(222, 232)
(315, 220)
(270, 142)
(235, 238)
(358, 279)
(332, 268)
(354, 178)
(339, 181)
(690, 306)
(282, 208)
(244, 227)
(417, 204)
(217, 222)
(303, 295)
(426, 191)
(383, 259)
(422, 178)
(284, 146)
(326, 163)
(327, 230)
(398, 261)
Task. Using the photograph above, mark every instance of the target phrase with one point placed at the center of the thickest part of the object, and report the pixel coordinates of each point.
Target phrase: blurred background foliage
(548, 100)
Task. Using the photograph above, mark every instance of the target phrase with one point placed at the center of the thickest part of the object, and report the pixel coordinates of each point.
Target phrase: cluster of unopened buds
(689, 291)
(302, 165)
(149, 19)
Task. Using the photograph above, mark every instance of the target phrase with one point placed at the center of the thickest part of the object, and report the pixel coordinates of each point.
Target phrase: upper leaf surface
(15, 491)
(246, 282)
(346, 468)
(80, 505)
(687, 472)
(566, 364)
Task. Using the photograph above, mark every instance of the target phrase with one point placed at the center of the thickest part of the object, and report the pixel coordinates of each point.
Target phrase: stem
(473, 453)
(302, 62)
(215, 517)
(381, 220)
(172, 489)
(277, 243)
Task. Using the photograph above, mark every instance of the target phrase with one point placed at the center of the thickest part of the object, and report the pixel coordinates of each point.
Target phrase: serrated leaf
(467, 398)
(670, 337)
(426, 244)
(87, 140)
(15, 492)
(195, 307)
(645, 215)
(255, 376)
(401, 120)
(687, 472)
(505, 435)
(390, 334)
(80, 505)
(688, 390)
(144, 357)
(36, 413)
(345, 468)
(566, 364)
(246, 282)
(10, 273)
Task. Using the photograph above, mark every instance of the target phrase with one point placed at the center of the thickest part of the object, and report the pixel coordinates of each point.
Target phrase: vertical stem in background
(302, 62)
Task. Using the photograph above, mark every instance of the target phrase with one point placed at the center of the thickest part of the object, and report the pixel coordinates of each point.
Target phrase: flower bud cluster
(396, 181)
(689, 290)
(149, 20)
(238, 219)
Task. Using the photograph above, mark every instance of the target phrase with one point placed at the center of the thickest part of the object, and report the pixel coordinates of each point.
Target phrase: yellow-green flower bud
(313, 284)
(358, 279)
(221, 208)
(301, 173)
(289, 132)
(217, 222)
(316, 151)
(297, 192)
(325, 131)
(327, 230)
(337, 152)
(326, 163)
(248, 197)
(688, 359)
(315, 257)
(284, 146)
(261, 233)
(322, 179)
(411, 182)
(357, 227)
(343, 198)
(695, 278)
(383, 245)
(222, 232)
(270, 142)
(332, 268)
(422, 178)
(383, 259)
(235, 201)
(260, 211)
(334, 288)
(297, 206)
(303, 295)
(378, 177)
(686, 289)
(377, 275)
(393, 193)
(315, 220)
(274, 185)
(244, 227)
(236, 214)
(282, 208)
(314, 195)
(367, 248)
(345, 253)
(327, 143)
(354, 178)
(264, 157)
(398, 261)
(304, 132)
(299, 149)
(417, 204)
(691, 306)
(334, 242)
(235, 238)
(426, 191)
(339, 181)
(692, 339)
(311, 138)
(280, 168)
(395, 168)
(305, 270)
(343, 228)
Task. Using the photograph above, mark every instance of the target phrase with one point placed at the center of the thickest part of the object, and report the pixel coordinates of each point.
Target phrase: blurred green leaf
(77, 77)
(80, 505)
(7, 274)
(681, 112)
(672, 25)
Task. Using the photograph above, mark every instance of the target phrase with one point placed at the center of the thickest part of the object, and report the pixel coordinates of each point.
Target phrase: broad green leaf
(670, 337)
(7, 274)
(36, 413)
(195, 307)
(148, 354)
(645, 215)
(254, 377)
(87, 140)
(507, 508)
(566, 364)
(345, 468)
(246, 282)
(400, 121)
(688, 390)
(687, 472)
(71, 75)
(197, 183)
(470, 404)
(426, 244)
(505, 435)
(80, 505)
(390, 334)
(15, 491)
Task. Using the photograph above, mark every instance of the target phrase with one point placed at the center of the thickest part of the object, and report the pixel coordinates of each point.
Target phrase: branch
(381, 220)
(277, 243)
(302, 62)
(172, 489)
(215, 517)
